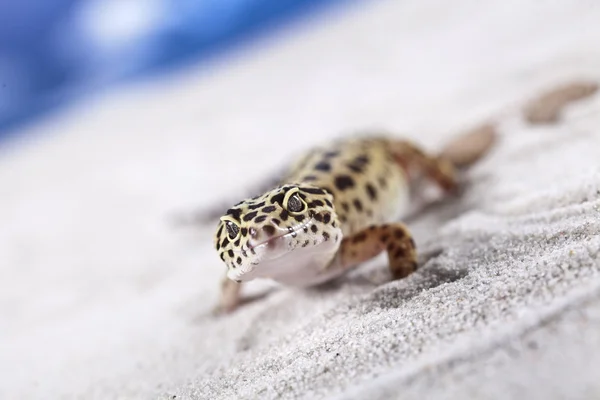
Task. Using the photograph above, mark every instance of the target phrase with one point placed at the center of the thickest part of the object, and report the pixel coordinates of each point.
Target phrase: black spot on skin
(343, 182)
(309, 178)
(218, 246)
(326, 217)
(222, 256)
(244, 253)
(252, 251)
(323, 166)
(399, 253)
(230, 253)
(359, 163)
(237, 242)
(299, 218)
(313, 190)
(250, 215)
(239, 260)
(357, 205)
(399, 233)
(314, 229)
(384, 238)
(331, 154)
(255, 206)
(371, 191)
(382, 182)
(278, 198)
(305, 243)
(326, 236)
(225, 242)
(355, 168)
(290, 229)
(305, 229)
(360, 237)
(260, 218)
(244, 231)
(318, 217)
(363, 159)
(315, 203)
(269, 230)
(235, 213)
(269, 209)
(276, 221)
(220, 230)
(334, 224)
(294, 234)
(327, 190)
(328, 203)
(284, 215)
(337, 237)
(345, 206)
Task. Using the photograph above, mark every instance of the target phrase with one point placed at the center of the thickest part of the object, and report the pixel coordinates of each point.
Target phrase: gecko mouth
(271, 251)
(291, 231)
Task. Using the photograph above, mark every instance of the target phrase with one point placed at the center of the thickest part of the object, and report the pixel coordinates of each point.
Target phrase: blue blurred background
(53, 51)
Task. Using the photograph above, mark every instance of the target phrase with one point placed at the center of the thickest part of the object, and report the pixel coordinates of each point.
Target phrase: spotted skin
(337, 207)
(395, 239)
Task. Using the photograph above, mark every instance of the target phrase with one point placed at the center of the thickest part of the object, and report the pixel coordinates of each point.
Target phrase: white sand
(100, 299)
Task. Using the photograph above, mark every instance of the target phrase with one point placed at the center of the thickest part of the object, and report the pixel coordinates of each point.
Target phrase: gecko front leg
(230, 296)
(394, 238)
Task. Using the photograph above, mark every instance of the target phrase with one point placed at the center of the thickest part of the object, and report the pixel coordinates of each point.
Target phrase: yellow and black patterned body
(367, 183)
(336, 207)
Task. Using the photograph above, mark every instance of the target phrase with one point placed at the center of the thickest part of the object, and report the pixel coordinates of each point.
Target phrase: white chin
(242, 273)
(298, 267)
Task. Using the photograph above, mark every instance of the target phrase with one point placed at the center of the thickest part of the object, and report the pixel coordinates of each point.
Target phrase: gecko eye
(295, 204)
(232, 229)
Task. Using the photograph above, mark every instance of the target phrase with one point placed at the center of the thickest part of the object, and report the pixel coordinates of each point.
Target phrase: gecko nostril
(253, 232)
(269, 230)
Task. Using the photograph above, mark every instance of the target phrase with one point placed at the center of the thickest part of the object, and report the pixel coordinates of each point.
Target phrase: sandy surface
(101, 299)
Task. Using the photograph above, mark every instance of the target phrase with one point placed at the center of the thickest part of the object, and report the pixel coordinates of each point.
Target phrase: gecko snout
(267, 234)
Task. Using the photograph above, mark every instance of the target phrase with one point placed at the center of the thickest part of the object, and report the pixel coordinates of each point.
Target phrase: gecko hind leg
(437, 168)
(394, 238)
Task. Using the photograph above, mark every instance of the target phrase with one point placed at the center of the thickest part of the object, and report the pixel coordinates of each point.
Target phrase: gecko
(336, 207)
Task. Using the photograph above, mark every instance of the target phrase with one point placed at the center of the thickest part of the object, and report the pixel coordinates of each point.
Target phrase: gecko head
(256, 237)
